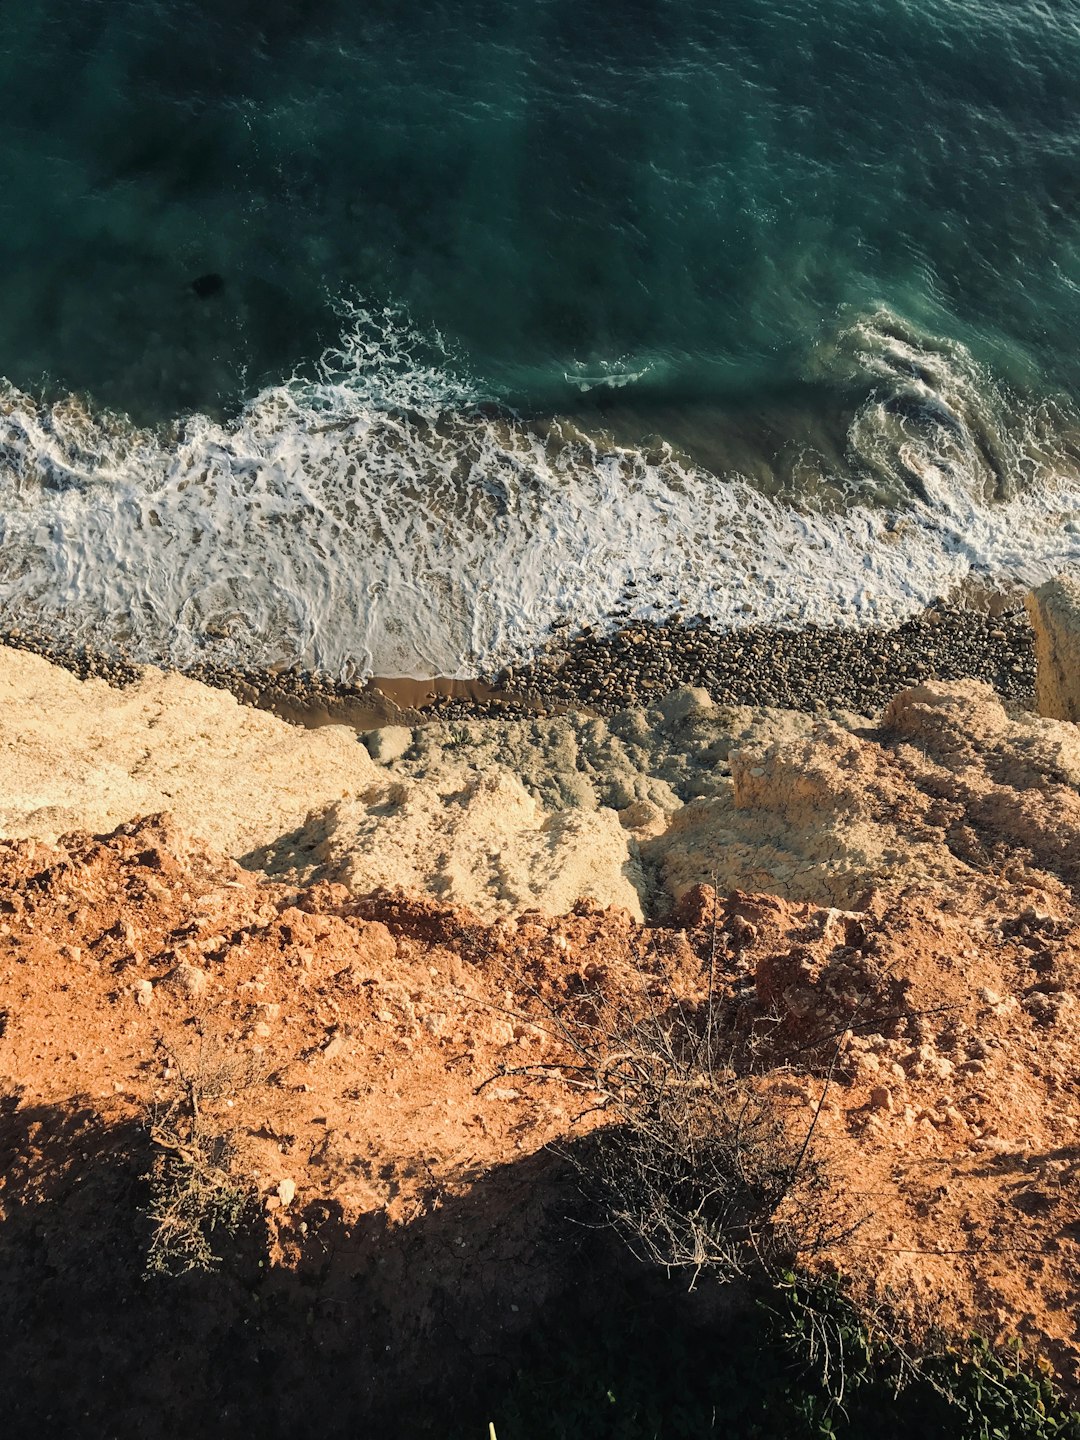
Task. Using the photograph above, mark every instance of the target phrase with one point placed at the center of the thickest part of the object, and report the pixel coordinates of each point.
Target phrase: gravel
(806, 669)
(809, 669)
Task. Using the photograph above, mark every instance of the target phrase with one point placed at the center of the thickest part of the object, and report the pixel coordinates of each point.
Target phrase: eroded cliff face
(503, 817)
(1054, 610)
(880, 912)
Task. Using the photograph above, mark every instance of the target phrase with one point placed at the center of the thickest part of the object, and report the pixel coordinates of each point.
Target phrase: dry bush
(195, 1193)
(703, 1165)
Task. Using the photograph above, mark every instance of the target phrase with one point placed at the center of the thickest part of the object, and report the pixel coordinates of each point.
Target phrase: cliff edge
(1054, 609)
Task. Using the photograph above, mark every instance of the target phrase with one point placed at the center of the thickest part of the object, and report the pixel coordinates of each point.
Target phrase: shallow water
(758, 310)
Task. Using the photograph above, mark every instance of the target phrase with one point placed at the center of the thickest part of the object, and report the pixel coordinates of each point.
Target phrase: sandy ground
(378, 1008)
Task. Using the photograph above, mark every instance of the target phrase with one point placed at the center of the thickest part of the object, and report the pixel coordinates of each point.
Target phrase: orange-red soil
(391, 1072)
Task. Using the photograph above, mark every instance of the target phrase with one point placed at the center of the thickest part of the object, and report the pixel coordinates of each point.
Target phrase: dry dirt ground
(387, 1076)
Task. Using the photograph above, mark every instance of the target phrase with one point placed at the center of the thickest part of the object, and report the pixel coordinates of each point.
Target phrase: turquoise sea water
(828, 253)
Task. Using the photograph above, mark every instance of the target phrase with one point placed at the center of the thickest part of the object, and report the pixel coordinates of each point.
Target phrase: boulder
(1055, 615)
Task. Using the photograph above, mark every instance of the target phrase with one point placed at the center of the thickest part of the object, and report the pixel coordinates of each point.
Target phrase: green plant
(854, 1362)
(195, 1195)
(625, 1360)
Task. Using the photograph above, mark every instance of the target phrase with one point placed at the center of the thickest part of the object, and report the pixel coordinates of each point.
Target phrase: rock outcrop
(1054, 609)
(80, 754)
(475, 839)
(633, 811)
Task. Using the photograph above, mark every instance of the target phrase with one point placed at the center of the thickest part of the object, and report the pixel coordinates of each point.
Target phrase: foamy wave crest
(376, 517)
(935, 425)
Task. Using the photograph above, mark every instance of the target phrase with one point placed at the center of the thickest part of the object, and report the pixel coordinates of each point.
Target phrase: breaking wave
(382, 516)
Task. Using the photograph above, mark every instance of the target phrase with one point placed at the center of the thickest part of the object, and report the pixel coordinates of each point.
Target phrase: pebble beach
(813, 668)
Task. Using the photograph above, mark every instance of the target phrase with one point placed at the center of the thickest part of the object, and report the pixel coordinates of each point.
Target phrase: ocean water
(377, 338)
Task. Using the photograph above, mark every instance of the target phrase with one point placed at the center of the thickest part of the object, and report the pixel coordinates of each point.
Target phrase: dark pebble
(800, 669)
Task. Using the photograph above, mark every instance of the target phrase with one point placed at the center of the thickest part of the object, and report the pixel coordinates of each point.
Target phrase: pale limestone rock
(80, 755)
(1055, 614)
(685, 705)
(389, 743)
(504, 815)
(477, 840)
(1054, 611)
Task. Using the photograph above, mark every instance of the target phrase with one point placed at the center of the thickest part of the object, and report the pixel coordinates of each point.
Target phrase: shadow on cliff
(361, 1325)
(423, 1328)
(496, 1305)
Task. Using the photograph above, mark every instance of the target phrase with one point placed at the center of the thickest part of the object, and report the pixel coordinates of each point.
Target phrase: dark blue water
(444, 321)
(687, 191)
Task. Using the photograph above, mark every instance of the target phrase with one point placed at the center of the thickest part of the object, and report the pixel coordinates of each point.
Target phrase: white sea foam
(373, 519)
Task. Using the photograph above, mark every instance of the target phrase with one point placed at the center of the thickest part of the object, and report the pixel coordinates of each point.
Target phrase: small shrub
(196, 1196)
(193, 1198)
(695, 1168)
(860, 1379)
(626, 1361)
(700, 1167)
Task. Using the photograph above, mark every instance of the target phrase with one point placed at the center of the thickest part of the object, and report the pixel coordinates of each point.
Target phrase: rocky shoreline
(809, 669)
